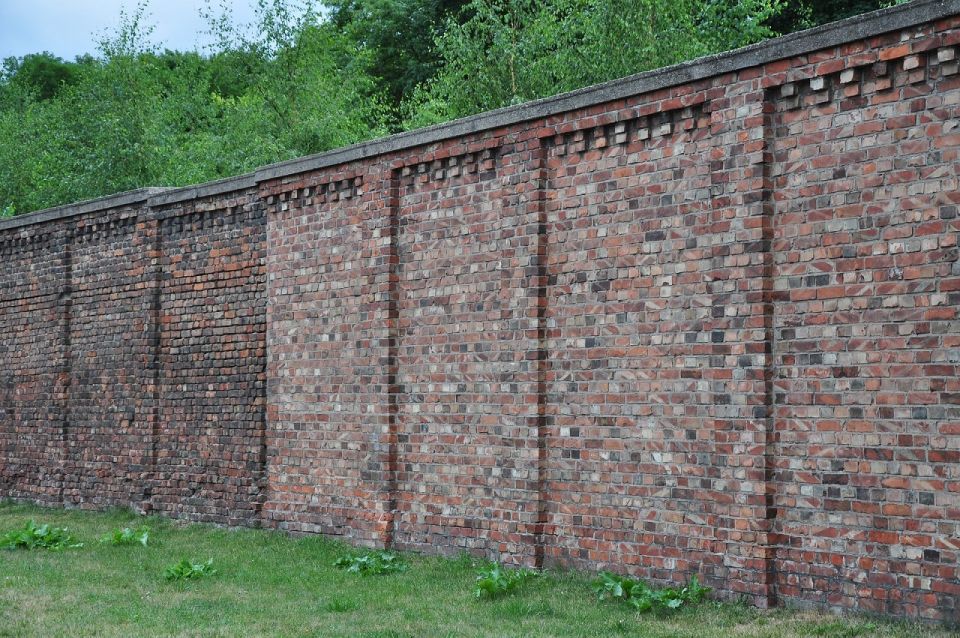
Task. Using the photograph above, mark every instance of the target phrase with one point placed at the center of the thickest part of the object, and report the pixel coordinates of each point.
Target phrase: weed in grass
(34, 536)
(494, 580)
(372, 563)
(188, 570)
(339, 606)
(644, 598)
(128, 536)
(271, 585)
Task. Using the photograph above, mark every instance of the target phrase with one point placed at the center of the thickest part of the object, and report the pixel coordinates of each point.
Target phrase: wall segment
(702, 320)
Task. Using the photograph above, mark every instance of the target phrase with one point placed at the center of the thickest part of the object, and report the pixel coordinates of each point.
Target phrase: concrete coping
(201, 191)
(118, 200)
(829, 35)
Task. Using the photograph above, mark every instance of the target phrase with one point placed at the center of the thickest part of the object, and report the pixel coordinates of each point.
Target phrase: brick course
(710, 326)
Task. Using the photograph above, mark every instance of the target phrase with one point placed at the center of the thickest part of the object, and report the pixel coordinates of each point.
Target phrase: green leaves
(643, 598)
(399, 35)
(128, 536)
(46, 536)
(307, 81)
(510, 51)
(43, 536)
(495, 580)
(372, 563)
(188, 570)
(135, 116)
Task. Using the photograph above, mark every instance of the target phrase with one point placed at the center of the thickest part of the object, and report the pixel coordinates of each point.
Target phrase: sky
(68, 28)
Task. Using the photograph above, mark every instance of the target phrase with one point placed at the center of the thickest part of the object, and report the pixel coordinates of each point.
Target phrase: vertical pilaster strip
(66, 373)
(393, 364)
(769, 369)
(152, 240)
(271, 379)
(742, 199)
(263, 463)
(539, 210)
(755, 196)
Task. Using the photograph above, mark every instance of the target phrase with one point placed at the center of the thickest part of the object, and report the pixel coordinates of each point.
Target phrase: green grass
(267, 584)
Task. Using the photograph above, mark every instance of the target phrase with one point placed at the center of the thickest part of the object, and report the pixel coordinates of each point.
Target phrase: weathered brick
(710, 329)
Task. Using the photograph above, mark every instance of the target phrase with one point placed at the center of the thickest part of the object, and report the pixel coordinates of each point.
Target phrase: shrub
(494, 580)
(373, 563)
(34, 536)
(644, 598)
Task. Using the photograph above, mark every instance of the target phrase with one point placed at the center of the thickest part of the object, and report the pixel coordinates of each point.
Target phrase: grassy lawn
(270, 585)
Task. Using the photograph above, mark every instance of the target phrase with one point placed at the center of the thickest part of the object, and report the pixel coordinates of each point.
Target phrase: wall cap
(201, 191)
(125, 198)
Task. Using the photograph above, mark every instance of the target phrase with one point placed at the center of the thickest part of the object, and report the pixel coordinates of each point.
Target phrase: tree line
(311, 76)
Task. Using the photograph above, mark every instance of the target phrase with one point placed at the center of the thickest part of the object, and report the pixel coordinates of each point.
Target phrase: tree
(42, 75)
(303, 80)
(399, 36)
(509, 51)
(135, 116)
(797, 15)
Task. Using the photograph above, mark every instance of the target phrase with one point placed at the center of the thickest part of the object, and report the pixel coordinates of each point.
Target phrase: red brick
(705, 329)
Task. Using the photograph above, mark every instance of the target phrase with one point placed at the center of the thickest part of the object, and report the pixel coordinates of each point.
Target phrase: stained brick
(706, 329)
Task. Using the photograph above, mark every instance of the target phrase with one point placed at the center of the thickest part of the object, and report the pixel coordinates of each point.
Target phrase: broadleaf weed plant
(188, 570)
(372, 563)
(493, 580)
(644, 598)
(43, 536)
(128, 536)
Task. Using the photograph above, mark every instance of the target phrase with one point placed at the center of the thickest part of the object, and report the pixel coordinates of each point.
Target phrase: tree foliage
(796, 15)
(399, 34)
(510, 51)
(308, 77)
(135, 115)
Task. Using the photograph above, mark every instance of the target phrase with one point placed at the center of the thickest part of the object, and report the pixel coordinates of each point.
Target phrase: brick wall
(703, 320)
(34, 375)
(328, 365)
(866, 331)
(107, 321)
(134, 351)
(211, 350)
